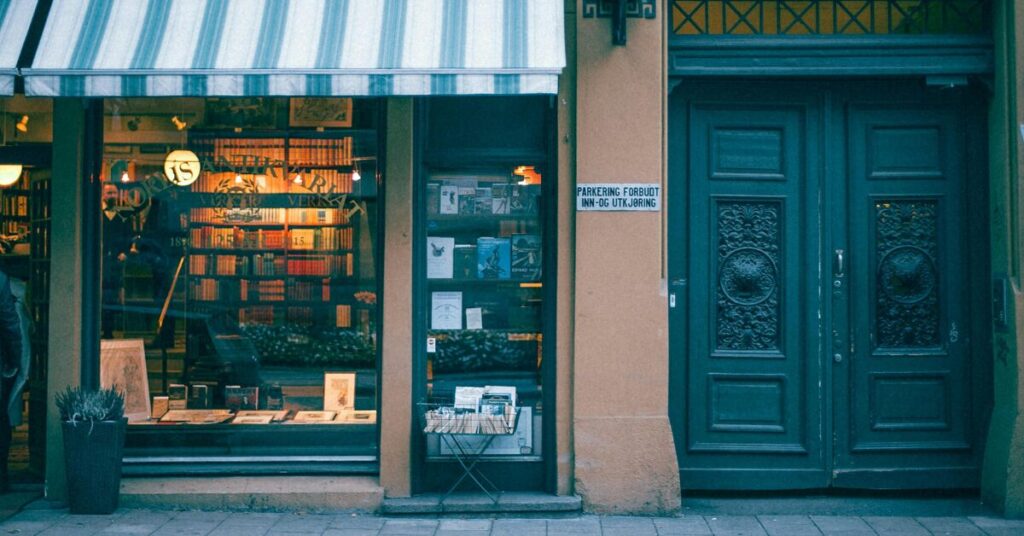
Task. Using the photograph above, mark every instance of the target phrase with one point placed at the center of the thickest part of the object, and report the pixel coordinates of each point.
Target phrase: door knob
(840, 263)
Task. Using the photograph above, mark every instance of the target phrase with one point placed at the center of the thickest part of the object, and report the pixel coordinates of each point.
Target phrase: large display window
(486, 190)
(240, 276)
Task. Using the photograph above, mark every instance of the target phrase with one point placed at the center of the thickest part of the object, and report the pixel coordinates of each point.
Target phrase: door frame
(978, 271)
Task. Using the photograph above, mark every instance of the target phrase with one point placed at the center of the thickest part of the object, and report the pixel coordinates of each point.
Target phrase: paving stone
(627, 526)
(735, 526)
(465, 524)
(905, 526)
(130, 528)
(842, 525)
(950, 526)
(24, 527)
(411, 527)
(682, 526)
(176, 527)
(350, 532)
(986, 522)
(519, 527)
(201, 516)
(70, 531)
(789, 526)
(252, 518)
(362, 522)
(442, 532)
(240, 530)
(579, 525)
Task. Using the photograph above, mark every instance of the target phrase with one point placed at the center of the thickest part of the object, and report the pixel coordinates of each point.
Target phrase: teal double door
(829, 305)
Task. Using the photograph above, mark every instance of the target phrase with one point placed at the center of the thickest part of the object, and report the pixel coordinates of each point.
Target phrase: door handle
(840, 263)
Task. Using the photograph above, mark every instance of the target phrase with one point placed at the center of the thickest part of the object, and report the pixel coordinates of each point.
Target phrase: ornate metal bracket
(618, 10)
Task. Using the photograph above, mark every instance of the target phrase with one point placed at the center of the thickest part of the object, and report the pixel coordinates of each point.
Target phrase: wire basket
(490, 419)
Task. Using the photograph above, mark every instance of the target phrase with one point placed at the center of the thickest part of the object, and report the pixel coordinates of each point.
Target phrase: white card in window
(440, 257)
(449, 200)
(445, 310)
(474, 318)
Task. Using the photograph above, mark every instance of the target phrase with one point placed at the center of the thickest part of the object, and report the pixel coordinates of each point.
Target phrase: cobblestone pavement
(192, 523)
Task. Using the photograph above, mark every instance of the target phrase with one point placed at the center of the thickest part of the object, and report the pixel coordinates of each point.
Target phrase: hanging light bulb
(9, 174)
(355, 175)
(297, 179)
(238, 178)
(125, 177)
(22, 125)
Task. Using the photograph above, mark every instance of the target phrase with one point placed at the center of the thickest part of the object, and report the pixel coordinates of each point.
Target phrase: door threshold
(518, 503)
(839, 503)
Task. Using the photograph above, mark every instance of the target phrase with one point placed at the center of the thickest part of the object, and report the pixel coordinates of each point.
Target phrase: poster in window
(339, 391)
(123, 366)
(320, 112)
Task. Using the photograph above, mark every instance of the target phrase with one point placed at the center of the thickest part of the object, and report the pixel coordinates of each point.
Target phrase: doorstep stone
(259, 493)
(478, 503)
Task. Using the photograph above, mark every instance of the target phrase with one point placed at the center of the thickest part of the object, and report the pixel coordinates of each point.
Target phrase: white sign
(643, 197)
(182, 167)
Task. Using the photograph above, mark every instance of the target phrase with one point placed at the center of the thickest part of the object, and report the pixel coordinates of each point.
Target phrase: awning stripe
(15, 19)
(283, 47)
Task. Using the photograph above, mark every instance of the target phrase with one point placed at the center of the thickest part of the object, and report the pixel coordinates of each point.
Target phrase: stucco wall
(1003, 470)
(625, 458)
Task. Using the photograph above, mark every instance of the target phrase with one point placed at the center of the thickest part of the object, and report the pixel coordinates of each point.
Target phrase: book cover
(494, 258)
(464, 261)
(523, 199)
(449, 203)
(484, 201)
(177, 395)
(526, 257)
(237, 397)
(445, 310)
(199, 397)
(467, 199)
(440, 257)
(433, 198)
(499, 198)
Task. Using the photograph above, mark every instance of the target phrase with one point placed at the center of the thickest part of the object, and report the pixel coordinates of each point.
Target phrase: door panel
(752, 203)
(820, 259)
(906, 384)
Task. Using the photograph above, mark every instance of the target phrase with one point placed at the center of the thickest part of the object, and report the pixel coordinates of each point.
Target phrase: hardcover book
(467, 200)
(464, 261)
(237, 397)
(199, 397)
(433, 198)
(177, 395)
(493, 258)
(499, 198)
(440, 256)
(526, 257)
(484, 201)
(523, 199)
(449, 200)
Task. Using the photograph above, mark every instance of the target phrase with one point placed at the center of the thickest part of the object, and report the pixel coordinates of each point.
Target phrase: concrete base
(478, 503)
(265, 493)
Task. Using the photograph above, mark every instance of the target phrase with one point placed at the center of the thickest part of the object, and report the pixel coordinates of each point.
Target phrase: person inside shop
(14, 362)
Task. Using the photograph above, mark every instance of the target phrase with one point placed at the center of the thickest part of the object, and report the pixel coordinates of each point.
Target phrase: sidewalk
(36, 519)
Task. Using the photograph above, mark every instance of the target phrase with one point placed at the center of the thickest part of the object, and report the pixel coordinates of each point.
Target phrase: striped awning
(15, 18)
(298, 47)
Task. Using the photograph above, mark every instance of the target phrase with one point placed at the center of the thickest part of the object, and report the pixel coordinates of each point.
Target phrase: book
(499, 198)
(252, 419)
(177, 396)
(526, 257)
(275, 416)
(467, 200)
(313, 416)
(493, 258)
(440, 252)
(523, 199)
(160, 407)
(468, 398)
(449, 203)
(464, 261)
(237, 397)
(302, 238)
(199, 397)
(484, 201)
(433, 198)
(445, 310)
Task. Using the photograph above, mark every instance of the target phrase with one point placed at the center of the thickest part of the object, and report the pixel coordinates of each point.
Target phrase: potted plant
(94, 431)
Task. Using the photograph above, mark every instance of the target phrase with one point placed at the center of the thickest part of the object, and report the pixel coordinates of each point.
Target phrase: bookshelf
(14, 207)
(273, 229)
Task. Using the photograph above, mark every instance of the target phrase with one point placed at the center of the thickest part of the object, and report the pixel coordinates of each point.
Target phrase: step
(478, 503)
(260, 493)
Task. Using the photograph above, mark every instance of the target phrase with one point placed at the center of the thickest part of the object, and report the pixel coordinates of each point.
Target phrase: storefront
(259, 206)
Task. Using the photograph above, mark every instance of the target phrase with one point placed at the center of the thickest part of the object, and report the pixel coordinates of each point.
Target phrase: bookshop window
(240, 264)
(485, 279)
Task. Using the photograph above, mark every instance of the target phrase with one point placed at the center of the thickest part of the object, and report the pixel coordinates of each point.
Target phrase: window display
(240, 258)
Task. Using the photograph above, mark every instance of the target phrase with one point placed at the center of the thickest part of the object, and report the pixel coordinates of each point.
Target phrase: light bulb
(125, 177)
(9, 174)
(356, 176)
(22, 125)
(238, 178)
(297, 179)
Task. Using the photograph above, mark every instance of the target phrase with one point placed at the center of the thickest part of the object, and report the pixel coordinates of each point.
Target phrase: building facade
(826, 295)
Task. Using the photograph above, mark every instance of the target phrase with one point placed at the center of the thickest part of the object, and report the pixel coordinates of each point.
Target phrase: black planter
(92, 460)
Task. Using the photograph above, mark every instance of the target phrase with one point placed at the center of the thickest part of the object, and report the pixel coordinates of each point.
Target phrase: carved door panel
(821, 285)
(753, 406)
(903, 389)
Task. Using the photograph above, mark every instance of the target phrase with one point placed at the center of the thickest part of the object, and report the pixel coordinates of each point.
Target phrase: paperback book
(526, 257)
(494, 258)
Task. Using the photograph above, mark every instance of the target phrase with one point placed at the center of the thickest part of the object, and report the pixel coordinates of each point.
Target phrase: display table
(454, 427)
